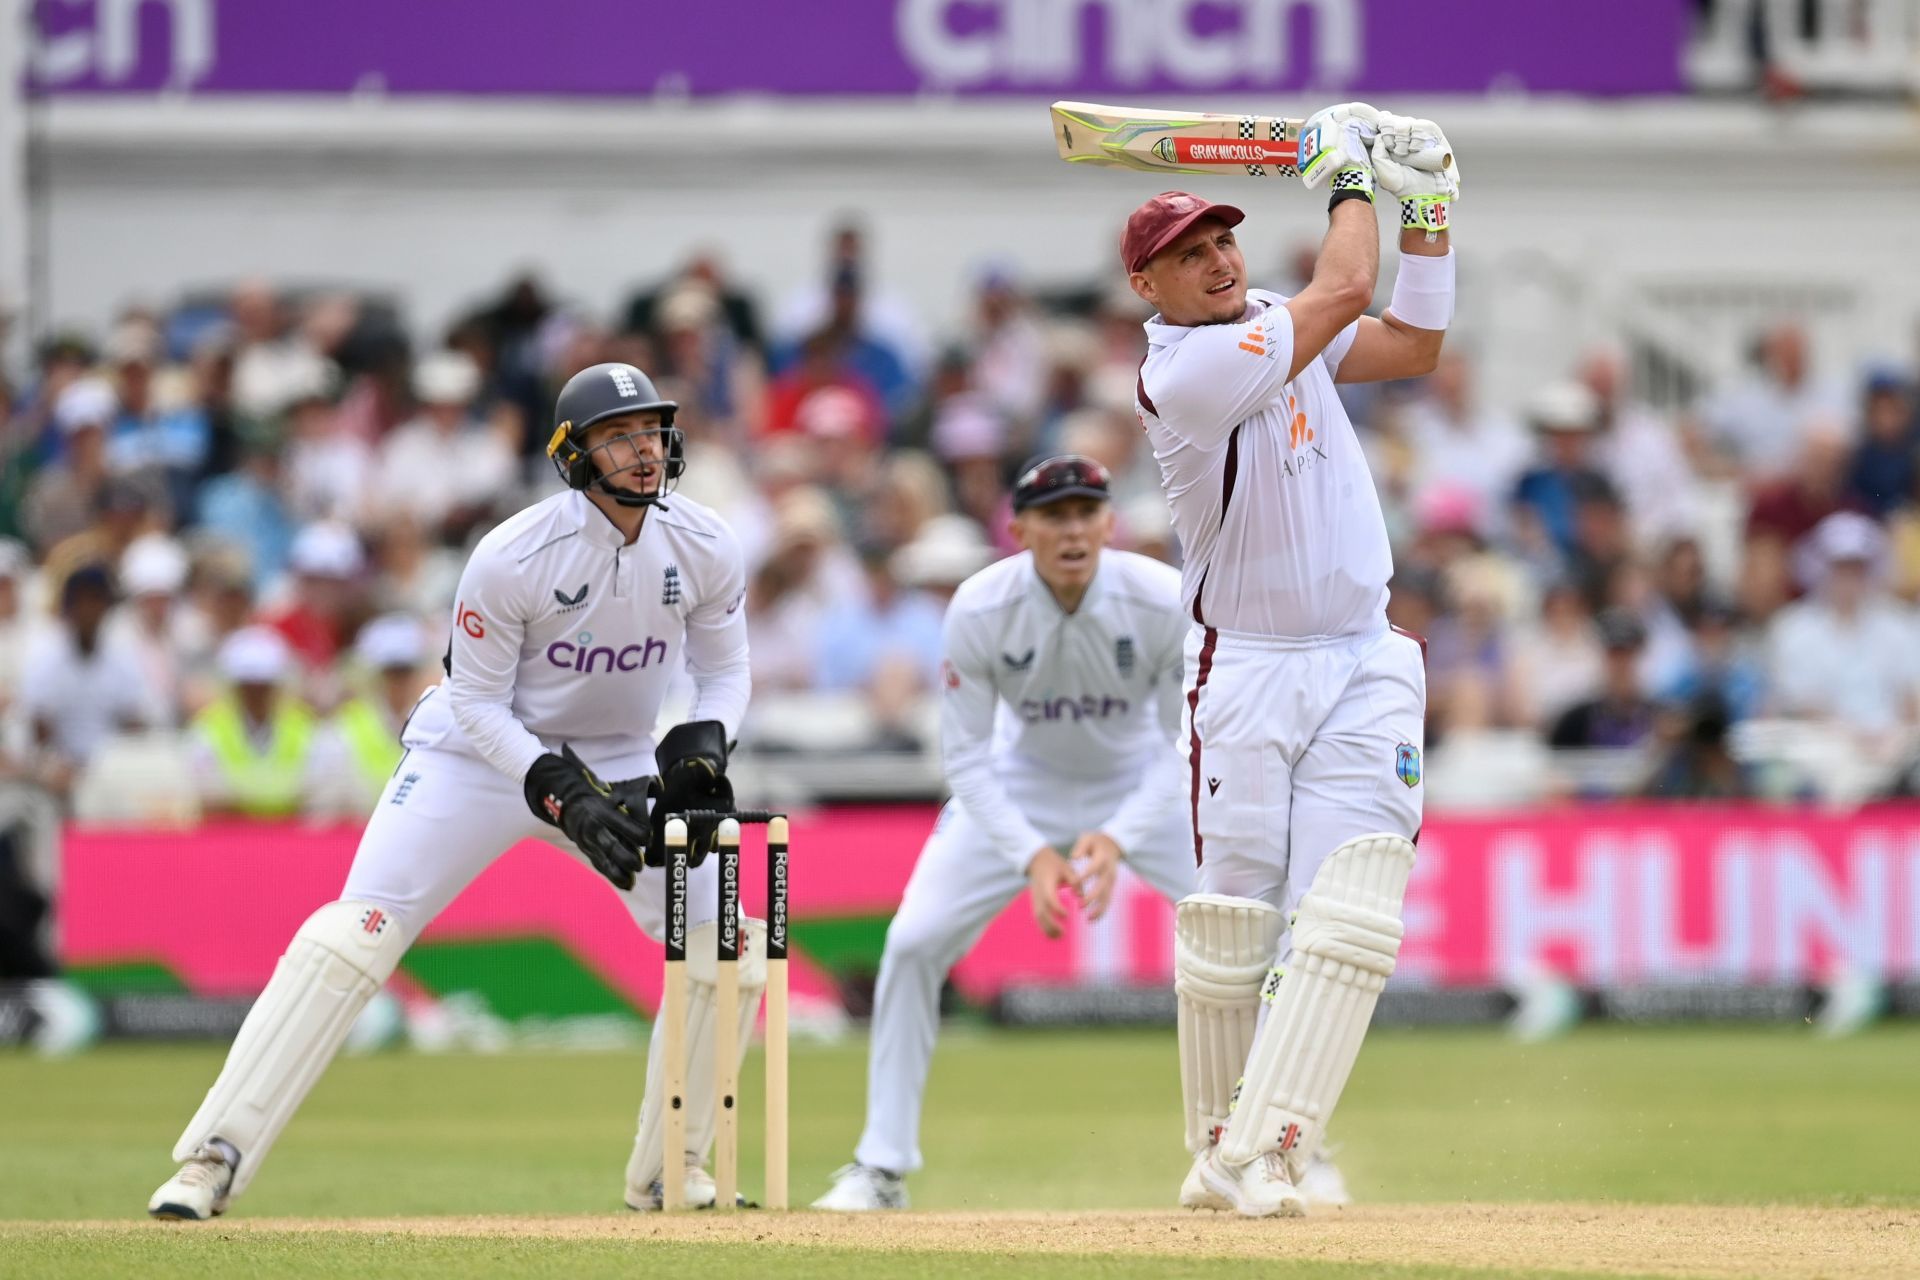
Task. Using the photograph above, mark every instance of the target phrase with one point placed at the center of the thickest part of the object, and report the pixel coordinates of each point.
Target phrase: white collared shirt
(1269, 489)
(1030, 688)
(563, 633)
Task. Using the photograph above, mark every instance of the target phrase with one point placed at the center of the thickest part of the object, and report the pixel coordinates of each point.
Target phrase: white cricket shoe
(1322, 1183)
(1257, 1189)
(198, 1191)
(1194, 1192)
(700, 1190)
(859, 1188)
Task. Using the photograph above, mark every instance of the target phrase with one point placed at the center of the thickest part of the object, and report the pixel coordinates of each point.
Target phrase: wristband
(1351, 183)
(1423, 291)
(1428, 213)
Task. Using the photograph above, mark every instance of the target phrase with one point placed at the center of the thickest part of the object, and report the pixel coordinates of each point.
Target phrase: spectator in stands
(1468, 652)
(1720, 664)
(149, 436)
(1759, 426)
(75, 689)
(1847, 654)
(1009, 350)
(16, 566)
(245, 508)
(363, 737)
(446, 468)
(127, 507)
(1695, 762)
(325, 606)
(884, 625)
(329, 470)
(217, 603)
(947, 551)
(702, 271)
(807, 571)
(1621, 714)
(971, 440)
(1563, 416)
(1457, 444)
(719, 383)
(848, 276)
(909, 491)
(821, 364)
(210, 365)
(1602, 540)
(251, 750)
(411, 572)
(841, 447)
(1639, 451)
(1787, 509)
(153, 573)
(63, 497)
(1884, 467)
(268, 357)
(1558, 660)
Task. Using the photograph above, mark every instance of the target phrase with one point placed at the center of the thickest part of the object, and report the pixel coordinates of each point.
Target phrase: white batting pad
(336, 961)
(1346, 939)
(702, 972)
(1222, 950)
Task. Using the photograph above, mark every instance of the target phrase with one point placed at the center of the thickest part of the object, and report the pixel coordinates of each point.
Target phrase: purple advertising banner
(1067, 48)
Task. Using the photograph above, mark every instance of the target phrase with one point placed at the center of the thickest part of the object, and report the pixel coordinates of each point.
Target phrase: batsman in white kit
(1304, 710)
(1060, 705)
(572, 618)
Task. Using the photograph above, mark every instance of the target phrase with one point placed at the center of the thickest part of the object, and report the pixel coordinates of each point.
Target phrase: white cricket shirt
(1029, 688)
(1269, 489)
(564, 634)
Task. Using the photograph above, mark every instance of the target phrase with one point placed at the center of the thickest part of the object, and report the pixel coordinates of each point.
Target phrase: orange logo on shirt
(1298, 432)
(1254, 340)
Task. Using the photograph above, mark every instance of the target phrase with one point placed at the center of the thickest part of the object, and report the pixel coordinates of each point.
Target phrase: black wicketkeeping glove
(640, 797)
(561, 790)
(693, 775)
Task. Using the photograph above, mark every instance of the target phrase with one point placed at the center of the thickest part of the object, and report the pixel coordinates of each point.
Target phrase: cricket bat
(1203, 142)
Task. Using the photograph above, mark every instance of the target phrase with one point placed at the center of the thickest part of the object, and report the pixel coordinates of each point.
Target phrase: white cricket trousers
(1296, 747)
(958, 886)
(443, 818)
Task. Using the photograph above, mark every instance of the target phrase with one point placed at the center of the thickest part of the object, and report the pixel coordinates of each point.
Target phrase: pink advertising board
(1601, 896)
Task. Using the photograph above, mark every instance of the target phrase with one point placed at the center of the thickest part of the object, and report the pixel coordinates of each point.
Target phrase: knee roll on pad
(1346, 941)
(703, 966)
(1222, 950)
(336, 961)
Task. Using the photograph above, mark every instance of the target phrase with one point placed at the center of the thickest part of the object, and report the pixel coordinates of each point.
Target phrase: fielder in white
(572, 617)
(1058, 718)
(1304, 709)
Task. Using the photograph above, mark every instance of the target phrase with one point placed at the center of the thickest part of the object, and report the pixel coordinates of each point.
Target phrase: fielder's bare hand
(1047, 875)
(1097, 857)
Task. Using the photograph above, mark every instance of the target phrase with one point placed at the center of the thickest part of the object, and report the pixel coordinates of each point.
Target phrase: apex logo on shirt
(1254, 340)
(1123, 655)
(1020, 663)
(568, 603)
(670, 585)
(1213, 786)
(1298, 432)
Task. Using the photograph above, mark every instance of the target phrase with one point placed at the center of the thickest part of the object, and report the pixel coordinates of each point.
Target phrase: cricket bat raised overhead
(1176, 141)
(1192, 142)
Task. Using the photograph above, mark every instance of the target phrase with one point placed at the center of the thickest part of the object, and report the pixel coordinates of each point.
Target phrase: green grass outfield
(1015, 1122)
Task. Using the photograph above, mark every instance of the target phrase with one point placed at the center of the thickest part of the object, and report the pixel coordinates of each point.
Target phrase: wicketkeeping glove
(561, 790)
(638, 796)
(693, 775)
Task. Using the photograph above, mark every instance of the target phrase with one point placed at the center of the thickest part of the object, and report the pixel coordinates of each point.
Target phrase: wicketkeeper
(572, 618)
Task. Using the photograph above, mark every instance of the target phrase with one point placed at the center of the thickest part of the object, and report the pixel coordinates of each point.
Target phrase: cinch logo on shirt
(1087, 706)
(582, 655)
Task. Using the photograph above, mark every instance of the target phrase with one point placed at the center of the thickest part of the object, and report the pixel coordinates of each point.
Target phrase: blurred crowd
(241, 517)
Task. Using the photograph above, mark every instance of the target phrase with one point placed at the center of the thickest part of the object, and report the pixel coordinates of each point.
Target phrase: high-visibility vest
(375, 747)
(266, 785)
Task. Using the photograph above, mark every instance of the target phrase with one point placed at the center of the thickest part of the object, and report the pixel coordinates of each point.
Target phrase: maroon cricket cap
(1161, 220)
